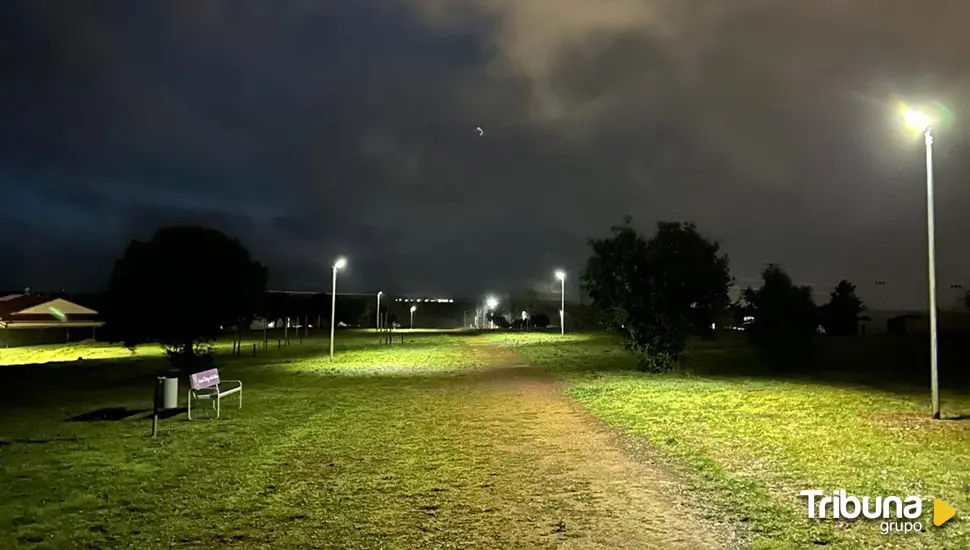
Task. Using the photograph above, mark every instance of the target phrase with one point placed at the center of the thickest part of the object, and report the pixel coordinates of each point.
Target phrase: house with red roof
(50, 315)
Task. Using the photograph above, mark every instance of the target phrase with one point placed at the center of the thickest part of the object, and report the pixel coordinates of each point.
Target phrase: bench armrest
(237, 382)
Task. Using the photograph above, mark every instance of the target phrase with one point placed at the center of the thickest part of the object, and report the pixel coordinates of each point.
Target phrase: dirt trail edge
(628, 499)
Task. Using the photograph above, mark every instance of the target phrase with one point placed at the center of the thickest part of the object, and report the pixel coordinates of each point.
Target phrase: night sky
(310, 129)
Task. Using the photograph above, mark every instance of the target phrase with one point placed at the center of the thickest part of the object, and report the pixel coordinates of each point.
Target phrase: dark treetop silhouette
(181, 289)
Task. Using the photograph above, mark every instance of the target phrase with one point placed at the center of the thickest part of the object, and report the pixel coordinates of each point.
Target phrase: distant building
(902, 322)
(30, 318)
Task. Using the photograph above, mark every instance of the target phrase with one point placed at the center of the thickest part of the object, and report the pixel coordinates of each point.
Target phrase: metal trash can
(170, 389)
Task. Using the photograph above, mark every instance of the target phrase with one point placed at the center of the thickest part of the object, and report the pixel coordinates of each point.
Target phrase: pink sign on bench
(205, 379)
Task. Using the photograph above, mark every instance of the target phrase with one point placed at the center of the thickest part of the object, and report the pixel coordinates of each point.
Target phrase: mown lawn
(400, 447)
(408, 446)
(752, 444)
(239, 480)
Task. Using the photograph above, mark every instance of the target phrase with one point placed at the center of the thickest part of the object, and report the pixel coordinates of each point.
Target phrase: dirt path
(627, 501)
(493, 458)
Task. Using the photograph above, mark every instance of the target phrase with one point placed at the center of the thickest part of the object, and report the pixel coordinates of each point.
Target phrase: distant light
(713, 326)
(561, 275)
(340, 263)
(525, 316)
(414, 308)
(491, 302)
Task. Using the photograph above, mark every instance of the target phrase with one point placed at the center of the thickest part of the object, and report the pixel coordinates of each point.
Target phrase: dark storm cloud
(771, 124)
(309, 129)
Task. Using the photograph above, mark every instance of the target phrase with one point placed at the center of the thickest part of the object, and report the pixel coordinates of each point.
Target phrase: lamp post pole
(561, 275)
(340, 263)
(378, 324)
(922, 122)
(931, 260)
(562, 308)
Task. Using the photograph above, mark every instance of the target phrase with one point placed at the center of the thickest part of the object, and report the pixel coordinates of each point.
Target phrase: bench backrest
(204, 379)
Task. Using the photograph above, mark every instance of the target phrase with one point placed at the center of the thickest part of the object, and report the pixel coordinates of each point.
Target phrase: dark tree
(181, 289)
(785, 316)
(658, 292)
(539, 320)
(840, 316)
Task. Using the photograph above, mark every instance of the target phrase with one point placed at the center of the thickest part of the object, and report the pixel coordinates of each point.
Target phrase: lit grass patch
(87, 350)
(753, 444)
(243, 479)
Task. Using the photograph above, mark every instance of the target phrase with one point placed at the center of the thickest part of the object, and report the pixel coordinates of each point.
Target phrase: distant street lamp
(922, 122)
(339, 264)
(490, 304)
(561, 275)
(413, 309)
(379, 309)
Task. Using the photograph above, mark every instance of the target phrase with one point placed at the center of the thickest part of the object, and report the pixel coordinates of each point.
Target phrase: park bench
(206, 385)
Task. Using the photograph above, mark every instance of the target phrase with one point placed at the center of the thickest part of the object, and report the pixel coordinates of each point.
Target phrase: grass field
(752, 444)
(450, 441)
(413, 446)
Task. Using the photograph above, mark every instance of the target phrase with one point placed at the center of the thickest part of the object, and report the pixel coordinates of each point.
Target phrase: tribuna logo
(840, 505)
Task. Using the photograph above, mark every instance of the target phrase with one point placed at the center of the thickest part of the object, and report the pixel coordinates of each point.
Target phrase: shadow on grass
(4, 443)
(106, 414)
(898, 365)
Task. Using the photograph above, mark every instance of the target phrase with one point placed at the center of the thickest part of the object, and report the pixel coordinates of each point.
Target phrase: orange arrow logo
(942, 512)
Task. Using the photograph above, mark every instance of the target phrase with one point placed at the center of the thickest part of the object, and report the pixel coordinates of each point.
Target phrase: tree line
(658, 291)
(186, 286)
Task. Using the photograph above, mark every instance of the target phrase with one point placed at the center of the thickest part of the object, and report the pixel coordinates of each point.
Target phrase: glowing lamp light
(340, 263)
(916, 120)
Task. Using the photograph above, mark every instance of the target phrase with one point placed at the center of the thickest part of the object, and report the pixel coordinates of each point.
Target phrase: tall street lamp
(413, 309)
(922, 122)
(378, 324)
(561, 275)
(338, 265)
